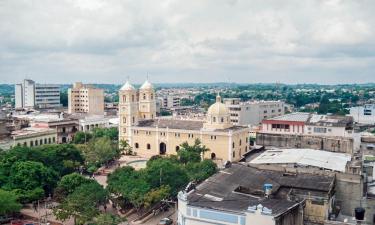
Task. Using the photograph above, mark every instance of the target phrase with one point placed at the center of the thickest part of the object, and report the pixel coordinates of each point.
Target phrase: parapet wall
(333, 144)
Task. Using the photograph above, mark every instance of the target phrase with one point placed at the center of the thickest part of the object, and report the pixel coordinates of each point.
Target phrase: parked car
(165, 221)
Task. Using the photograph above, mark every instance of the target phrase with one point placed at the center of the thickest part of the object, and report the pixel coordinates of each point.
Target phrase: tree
(81, 137)
(83, 204)
(164, 172)
(125, 147)
(68, 184)
(30, 175)
(191, 153)
(8, 203)
(156, 195)
(131, 185)
(64, 98)
(101, 150)
(111, 133)
(108, 219)
(201, 170)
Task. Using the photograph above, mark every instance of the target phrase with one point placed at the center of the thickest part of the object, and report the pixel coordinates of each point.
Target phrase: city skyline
(325, 42)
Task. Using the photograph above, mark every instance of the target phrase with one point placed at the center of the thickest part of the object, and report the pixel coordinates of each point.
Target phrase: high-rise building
(47, 95)
(85, 99)
(28, 94)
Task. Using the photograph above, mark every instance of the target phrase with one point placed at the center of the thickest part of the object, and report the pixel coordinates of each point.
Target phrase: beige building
(85, 99)
(150, 136)
(30, 137)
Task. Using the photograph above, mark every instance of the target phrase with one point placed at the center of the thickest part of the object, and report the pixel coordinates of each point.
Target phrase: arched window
(177, 148)
(136, 145)
(36, 142)
(148, 146)
(240, 142)
(222, 119)
(124, 98)
(233, 145)
(144, 96)
(40, 141)
(144, 116)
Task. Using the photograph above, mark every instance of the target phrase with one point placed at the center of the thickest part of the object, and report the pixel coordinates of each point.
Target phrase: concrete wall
(334, 144)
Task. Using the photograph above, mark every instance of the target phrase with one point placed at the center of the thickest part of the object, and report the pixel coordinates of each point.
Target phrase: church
(150, 135)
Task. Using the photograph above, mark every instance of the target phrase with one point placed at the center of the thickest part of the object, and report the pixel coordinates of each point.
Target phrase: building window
(40, 141)
(124, 98)
(320, 130)
(234, 154)
(36, 142)
(53, 139)
(148, 146)
(133, 119)
(152, 96)
(31, 143)
(124, 119)
(240, 142)
(214, 119)
(136, 145)
(177, 148)
(144, 96)
(124, 130)
(49, 140)
(222, 119)
(233, 145)
(24, 144)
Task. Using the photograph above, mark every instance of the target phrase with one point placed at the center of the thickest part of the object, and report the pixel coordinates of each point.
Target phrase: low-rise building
(253, 112)
(363, 114)
(30, 137)
(243, 195)
(169, 101)
(307, 130)
(65, 128)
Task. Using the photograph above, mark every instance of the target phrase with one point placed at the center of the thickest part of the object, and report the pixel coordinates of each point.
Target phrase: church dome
(146, 86)
(218, 108)
(127, 87)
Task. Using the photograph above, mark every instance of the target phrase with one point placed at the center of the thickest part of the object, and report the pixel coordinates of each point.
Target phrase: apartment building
(363, 114)
(28, 94)
(169, 101)
(252, 113)
(85, 99)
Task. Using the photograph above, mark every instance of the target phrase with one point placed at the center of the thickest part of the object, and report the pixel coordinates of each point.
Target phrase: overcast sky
(246, 41)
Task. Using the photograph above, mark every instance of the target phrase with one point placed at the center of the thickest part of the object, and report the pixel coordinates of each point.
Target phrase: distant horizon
(201, 83)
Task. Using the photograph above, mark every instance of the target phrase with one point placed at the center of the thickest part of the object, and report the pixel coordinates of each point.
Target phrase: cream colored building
(150, 136)
(85, 99)
(30, 137)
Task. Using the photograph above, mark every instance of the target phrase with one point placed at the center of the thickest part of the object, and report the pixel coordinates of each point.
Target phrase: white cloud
(101, 40)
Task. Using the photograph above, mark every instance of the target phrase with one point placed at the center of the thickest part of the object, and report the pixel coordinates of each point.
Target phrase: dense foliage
(32, 173)
(162, 178)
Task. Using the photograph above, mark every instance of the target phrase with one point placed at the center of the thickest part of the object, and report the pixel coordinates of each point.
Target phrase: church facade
(149, 135)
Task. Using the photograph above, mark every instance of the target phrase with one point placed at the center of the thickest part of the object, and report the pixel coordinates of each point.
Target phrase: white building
(309, 124)
(252, 113)
(363, 114)
(31, 95)
(47, 95)
(242, 195)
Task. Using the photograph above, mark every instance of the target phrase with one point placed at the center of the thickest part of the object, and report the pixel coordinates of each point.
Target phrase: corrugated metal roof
(307, 157)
